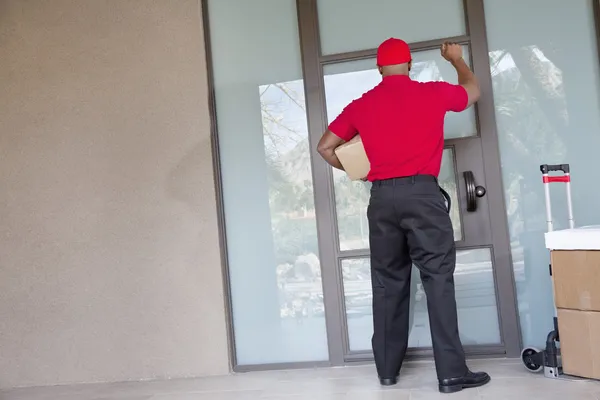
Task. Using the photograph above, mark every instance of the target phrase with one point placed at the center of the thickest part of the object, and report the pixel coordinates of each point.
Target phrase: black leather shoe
(388, 381)
(470, 380)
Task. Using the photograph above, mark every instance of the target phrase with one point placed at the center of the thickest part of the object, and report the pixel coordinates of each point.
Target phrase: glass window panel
(546, 83)
(274, 268)
(447, 180)
(347, 81)
(349, 25)
(475, 297)
(352, 199)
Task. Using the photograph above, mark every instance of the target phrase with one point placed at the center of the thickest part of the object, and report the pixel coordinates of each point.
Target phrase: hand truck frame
(548, 359)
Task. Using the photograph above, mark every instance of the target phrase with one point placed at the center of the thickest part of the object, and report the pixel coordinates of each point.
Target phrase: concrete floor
(509, 381)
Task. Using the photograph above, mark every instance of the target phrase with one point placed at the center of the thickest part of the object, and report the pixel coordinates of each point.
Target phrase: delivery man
(401, 123)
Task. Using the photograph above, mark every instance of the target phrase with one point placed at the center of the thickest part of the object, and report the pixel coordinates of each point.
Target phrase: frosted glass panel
(349, 25)
(347, 81)
(274, 268)
(475, 298)
(544, 65)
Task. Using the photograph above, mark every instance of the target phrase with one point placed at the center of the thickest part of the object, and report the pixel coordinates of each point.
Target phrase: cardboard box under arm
(354, 159)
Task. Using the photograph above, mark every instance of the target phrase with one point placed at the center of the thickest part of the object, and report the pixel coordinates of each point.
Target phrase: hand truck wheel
(529, 356)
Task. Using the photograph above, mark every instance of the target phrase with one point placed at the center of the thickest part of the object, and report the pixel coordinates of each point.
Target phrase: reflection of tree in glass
(533, 120)
(531, 110)
(278, 134)
(291, 199)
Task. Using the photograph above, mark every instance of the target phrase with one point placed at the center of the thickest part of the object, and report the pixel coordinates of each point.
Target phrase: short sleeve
(343, 126)
(453, 97)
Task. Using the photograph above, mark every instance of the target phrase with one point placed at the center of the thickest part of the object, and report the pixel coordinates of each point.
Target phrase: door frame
(476, 33)
(312, 68)
(313, 62)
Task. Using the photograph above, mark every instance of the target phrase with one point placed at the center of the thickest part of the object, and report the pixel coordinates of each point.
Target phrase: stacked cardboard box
(576, 274)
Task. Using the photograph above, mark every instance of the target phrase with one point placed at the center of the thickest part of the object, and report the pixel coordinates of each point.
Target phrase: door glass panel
(447, 180)
(546, 80)
(475, 297)
(349, 25)
(274, 268)
(352, 199)
(347, 81)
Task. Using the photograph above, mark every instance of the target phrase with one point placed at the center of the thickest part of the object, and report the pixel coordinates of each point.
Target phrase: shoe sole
(388, 381)
(458, 388)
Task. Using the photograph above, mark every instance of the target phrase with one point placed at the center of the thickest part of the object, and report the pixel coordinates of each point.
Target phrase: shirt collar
(396, 78)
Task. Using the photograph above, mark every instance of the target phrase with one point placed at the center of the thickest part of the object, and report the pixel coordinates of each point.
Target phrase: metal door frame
(313, 62)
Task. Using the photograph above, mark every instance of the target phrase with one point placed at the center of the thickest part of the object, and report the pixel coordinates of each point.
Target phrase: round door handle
(473, 191)
(480, 191)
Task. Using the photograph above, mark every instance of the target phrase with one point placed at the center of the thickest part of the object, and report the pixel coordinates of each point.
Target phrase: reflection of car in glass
(473, 278)
(302, 296)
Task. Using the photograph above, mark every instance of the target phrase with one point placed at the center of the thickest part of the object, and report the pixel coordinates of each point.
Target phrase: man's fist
(452, 52)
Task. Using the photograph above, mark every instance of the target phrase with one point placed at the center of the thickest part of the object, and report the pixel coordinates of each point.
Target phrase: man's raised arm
(453, 53)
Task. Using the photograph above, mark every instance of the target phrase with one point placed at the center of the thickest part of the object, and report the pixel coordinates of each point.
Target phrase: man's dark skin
(452, 52)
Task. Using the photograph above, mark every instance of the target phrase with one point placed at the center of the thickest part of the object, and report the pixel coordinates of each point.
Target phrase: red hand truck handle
(552, 168)
(565, 178)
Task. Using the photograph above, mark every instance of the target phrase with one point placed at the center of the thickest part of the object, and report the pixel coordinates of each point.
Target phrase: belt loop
(413, 179)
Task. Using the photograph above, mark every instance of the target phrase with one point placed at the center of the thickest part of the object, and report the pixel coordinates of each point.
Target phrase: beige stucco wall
(109, 254)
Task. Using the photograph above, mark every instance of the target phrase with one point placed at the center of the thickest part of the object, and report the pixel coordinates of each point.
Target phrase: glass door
(339, 65)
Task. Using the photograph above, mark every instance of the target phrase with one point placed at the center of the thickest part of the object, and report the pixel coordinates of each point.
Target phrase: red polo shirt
(401, 124)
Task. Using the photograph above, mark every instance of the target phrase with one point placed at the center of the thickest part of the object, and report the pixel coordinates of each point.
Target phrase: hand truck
(548, 359)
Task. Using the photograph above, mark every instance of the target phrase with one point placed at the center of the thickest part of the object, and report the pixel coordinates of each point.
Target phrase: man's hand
(452, 52)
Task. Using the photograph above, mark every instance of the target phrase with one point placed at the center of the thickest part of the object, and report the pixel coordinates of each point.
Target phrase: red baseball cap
(392, 52)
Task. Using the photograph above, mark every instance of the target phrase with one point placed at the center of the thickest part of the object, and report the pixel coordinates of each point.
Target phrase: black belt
(406, 180)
